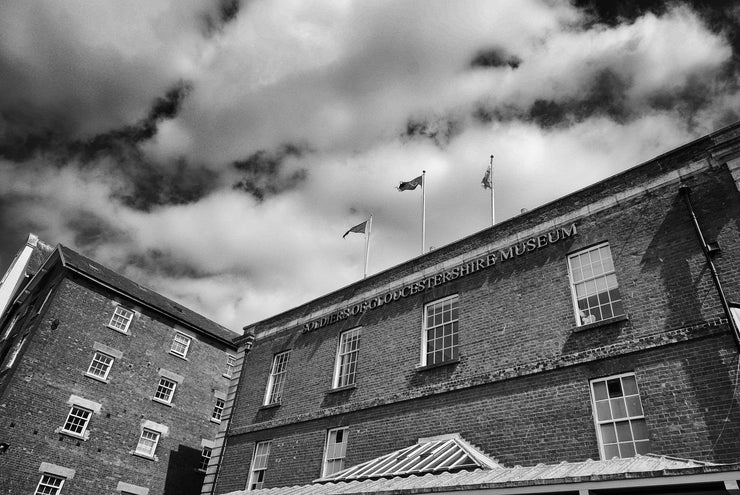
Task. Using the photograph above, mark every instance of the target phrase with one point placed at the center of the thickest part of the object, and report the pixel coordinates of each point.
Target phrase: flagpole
(367, 243)
(423, 210)
(493, 214)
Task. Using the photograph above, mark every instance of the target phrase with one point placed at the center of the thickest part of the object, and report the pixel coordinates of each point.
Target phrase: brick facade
(520, 388)
(49, 375)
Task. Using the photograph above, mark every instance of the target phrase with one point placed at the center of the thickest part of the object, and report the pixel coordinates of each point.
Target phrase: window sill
(97, 378)
(160, 401)
(214, 420)
(180, 356)
(124, 332)
(341, 389)
(71, 434)
(200, 471)
(145, 456)
(226, 375)
(420, 367)
(602, 323)
(269, 406)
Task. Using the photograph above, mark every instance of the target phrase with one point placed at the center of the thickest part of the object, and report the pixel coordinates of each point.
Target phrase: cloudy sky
(216, 151)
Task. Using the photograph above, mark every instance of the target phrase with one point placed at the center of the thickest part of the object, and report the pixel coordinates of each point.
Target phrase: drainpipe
(709, 251)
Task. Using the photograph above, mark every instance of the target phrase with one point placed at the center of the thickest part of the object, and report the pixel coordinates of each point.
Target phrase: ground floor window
(619, 418)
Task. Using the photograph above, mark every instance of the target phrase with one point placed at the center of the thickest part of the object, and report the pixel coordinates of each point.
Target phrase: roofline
(74, 269)
(708, 137)
(642, 479)
(44, 269)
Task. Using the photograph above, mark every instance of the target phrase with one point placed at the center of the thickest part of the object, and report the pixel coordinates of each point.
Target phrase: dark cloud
(148, 185)
(721, 16)
(116, 141)
(262, 173)
(494, 57)
(225, 11)
(438, 130)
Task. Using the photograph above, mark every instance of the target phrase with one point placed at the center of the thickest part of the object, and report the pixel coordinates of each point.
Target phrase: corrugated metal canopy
(449, 453)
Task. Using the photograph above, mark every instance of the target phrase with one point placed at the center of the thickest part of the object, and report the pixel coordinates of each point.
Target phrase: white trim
(338, 356)
(60, 471)
(266, 401)
(114, 353)
(254, 456)
(613, 421)
(423, 347)
(129, 488)
(325, 459)
(171, 375)
(76, 400)
(151, 425)
(179, 354)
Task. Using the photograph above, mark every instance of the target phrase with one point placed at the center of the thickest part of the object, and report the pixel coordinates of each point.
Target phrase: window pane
(608, 434)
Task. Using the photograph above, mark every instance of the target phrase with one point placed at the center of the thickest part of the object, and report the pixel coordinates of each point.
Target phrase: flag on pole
(359, 228)
(410, 185)
(487, 179)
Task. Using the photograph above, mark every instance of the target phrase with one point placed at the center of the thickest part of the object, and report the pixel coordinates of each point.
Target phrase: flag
(359, 228)
(410, 185)
(487, 179)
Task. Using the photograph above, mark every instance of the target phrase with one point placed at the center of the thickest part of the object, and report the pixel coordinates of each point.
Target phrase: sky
(217, 150)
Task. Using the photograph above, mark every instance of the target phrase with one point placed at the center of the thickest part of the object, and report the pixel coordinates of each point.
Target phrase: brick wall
(517, 329)
(35, 404)
(686, 391)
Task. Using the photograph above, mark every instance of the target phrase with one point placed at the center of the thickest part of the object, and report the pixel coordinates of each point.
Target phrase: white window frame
(95, 359)
(45, 483)
(594, 283)
(277, 378)
(230, 364)
(205, 457)
(345, 362)
(218, 410)
(454, 336)
(618, 408)
(121, 313)
(258, 466)
(82, 417)
(165, 390)
(334, 451)
(185, 342)
(148, 453)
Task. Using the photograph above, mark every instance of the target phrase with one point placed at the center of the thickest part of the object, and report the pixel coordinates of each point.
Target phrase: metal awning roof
(448, 453)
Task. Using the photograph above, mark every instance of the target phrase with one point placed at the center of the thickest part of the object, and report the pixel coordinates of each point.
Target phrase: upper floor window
(77, 421)
(335, 451)
(49, 484)
(100, 365)
(121, 319)
(165, 390)
(594, 285)
(619, 418)
(218, 410)
(440, 334)
(205, 457)
(230, 364)
(180, 344)
(259, 466)
(345, 368)
(276, 381)
(147, 442)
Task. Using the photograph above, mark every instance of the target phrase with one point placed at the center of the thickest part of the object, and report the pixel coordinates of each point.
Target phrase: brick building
(105, 385)
(598, 326)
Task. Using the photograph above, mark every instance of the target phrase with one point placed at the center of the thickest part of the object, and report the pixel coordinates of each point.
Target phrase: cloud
(218, 151)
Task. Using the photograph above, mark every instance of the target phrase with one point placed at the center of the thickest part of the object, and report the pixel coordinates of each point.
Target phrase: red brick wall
(52, 368)
(519, 345)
